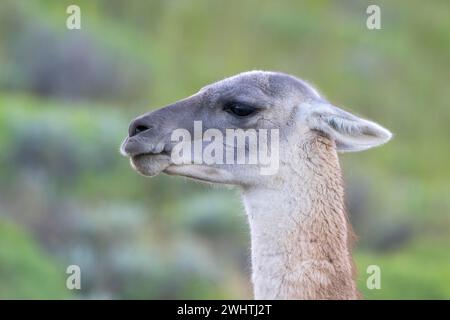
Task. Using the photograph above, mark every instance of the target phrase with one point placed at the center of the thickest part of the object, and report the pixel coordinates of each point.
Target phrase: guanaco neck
(299, 229)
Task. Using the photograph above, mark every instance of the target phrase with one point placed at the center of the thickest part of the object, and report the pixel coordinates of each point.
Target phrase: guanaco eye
(240, 109)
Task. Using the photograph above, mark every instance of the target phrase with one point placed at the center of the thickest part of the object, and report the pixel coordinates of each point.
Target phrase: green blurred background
(67, 96)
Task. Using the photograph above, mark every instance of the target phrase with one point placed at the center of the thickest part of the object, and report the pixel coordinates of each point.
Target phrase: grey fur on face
(276, 101)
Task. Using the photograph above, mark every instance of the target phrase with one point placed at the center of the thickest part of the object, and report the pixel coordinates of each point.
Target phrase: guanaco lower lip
(138, 156)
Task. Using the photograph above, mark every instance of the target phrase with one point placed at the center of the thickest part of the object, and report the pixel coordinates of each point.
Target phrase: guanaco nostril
(140, 129)
(135, 129)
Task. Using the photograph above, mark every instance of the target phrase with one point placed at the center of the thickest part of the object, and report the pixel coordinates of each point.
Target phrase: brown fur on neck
(329, 225)
(300, 242)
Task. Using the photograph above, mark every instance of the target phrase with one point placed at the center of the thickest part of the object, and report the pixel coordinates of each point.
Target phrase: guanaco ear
(351, 133)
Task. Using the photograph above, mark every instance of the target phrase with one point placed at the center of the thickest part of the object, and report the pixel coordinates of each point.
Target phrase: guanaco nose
(138, 126)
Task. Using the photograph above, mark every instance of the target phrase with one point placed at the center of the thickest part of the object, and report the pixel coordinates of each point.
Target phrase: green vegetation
(420, 271)
(26, 271)
(66, 98)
